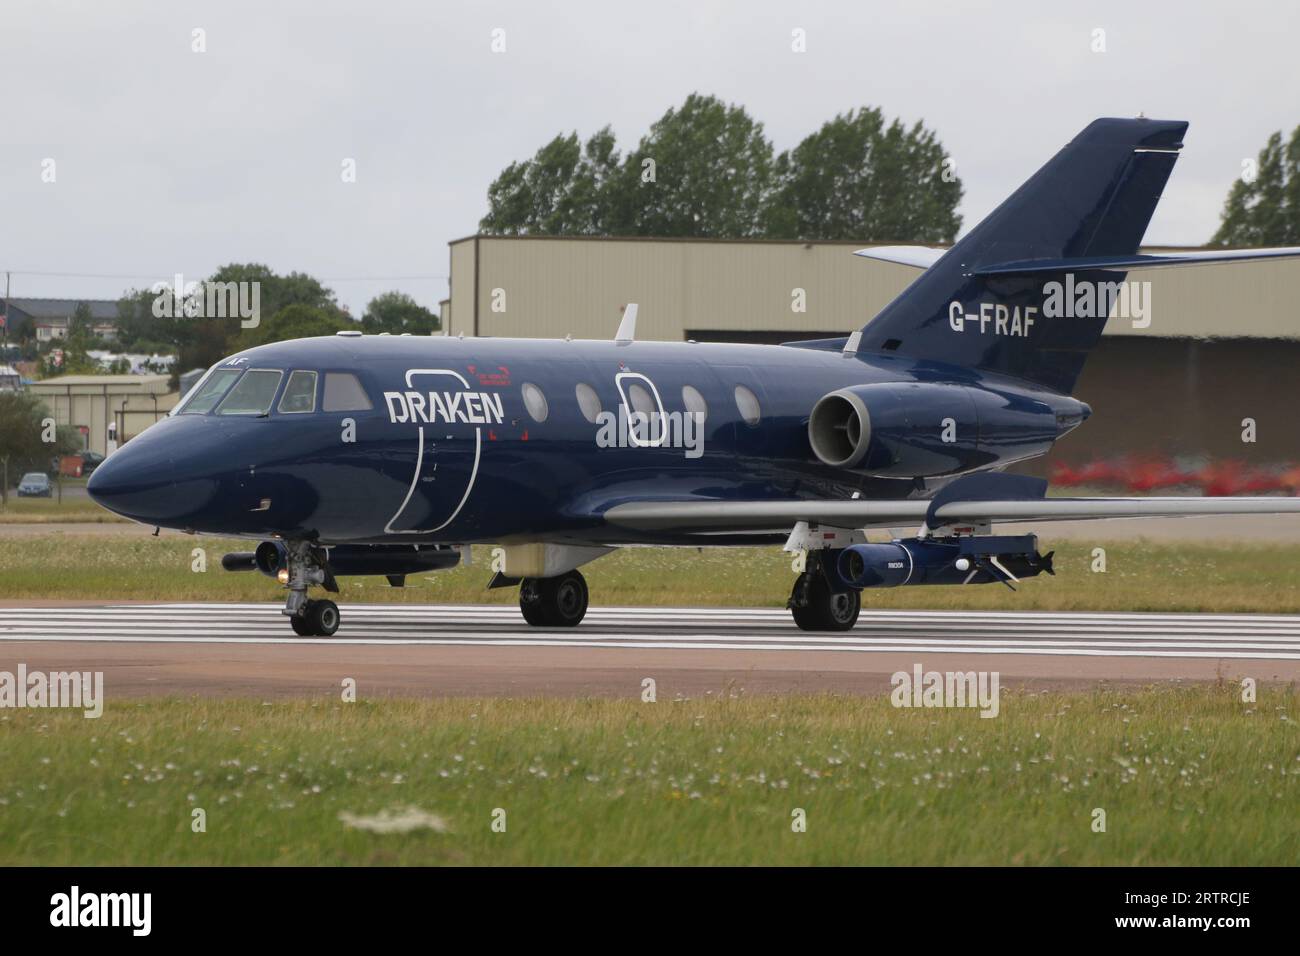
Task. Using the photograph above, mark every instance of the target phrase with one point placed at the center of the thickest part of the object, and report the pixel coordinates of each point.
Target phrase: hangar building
(1222, 345)
(106, 408)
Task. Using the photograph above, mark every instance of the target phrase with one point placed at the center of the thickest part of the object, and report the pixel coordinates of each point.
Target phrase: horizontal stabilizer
(1129, 263)
(921, 257)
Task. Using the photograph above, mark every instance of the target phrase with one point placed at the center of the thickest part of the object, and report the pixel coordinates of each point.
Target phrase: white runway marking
(1227, 636)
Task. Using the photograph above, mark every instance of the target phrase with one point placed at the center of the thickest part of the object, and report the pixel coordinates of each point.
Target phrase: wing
(706, 516)
(775, 516)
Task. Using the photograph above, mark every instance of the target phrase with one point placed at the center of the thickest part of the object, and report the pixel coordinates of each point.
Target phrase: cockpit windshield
(238, 391)
(253, 394)
(205, 395)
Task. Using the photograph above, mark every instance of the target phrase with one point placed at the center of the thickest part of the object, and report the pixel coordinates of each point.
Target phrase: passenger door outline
(419, 461)
(659, 403)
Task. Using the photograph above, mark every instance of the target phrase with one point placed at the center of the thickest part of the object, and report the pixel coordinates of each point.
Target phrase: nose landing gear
(318, 619)
(304, 566)
(554, 602)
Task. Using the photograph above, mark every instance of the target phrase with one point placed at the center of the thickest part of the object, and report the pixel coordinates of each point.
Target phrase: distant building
(51, 318)
(106, 408)
(10, 379)
(1220, 346)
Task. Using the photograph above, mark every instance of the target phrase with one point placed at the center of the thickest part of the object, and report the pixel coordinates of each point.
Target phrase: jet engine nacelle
(927, 429)
(978, 559)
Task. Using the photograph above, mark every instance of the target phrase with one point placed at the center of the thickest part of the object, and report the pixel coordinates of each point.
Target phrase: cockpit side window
(205, 395)
(253, 394)
(343, 393)
(299, 395)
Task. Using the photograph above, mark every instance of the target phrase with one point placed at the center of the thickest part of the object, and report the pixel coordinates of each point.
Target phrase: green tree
(397, 312)
(1264, 210)
(81, 324)
(704, 169)
(152, 321)
(22, 438)
(858, 178)
(562, 191)
(140, 330)
(63, 358)
(205, 341)
(69, 355)
(297, 321)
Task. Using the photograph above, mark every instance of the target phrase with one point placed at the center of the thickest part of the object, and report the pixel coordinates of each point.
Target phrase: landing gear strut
(816, 605)
(304, 566)
(554, 602)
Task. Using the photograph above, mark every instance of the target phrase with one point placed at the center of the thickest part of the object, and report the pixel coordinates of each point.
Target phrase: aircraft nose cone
(137, 485)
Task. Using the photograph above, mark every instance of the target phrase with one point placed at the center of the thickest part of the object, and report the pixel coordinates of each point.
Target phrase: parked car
(35, 484)
(79, 465)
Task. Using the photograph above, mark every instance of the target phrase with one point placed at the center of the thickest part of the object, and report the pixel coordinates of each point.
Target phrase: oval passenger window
(694, 401)
(747, 405)
(640, 399)
(534, 401)
(588, 401)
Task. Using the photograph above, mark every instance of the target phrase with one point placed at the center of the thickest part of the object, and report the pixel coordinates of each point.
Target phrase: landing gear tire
(554, 602)
(318, 619)
(815, 607)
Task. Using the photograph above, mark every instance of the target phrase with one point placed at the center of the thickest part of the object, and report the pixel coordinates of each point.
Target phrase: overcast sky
(168, 161)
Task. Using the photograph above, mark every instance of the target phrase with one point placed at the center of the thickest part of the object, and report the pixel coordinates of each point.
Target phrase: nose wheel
(318, 619)
(554, 602)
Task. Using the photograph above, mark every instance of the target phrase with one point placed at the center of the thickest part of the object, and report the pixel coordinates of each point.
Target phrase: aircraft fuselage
(450, 452)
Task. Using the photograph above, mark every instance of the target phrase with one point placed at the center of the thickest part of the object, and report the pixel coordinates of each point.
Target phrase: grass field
(75, 508)
(1139, 577)
(1185, 776)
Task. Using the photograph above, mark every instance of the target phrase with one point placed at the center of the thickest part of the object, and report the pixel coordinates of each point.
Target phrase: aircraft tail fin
(1092, 203)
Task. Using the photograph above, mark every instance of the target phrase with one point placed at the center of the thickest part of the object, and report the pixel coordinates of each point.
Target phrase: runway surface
(471, 649)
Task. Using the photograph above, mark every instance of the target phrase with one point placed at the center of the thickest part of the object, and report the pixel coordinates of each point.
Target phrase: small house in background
(52, 318)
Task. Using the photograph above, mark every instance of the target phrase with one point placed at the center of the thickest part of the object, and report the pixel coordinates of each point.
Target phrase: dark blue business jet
(390, 455)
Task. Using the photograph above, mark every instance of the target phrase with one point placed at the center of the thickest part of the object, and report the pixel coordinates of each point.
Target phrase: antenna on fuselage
(627, 328)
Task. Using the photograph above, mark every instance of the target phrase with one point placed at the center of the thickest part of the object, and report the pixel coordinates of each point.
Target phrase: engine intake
(927, 429)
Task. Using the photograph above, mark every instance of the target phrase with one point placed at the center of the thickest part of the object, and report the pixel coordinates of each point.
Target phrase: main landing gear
(560, 601)
(819, 601)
